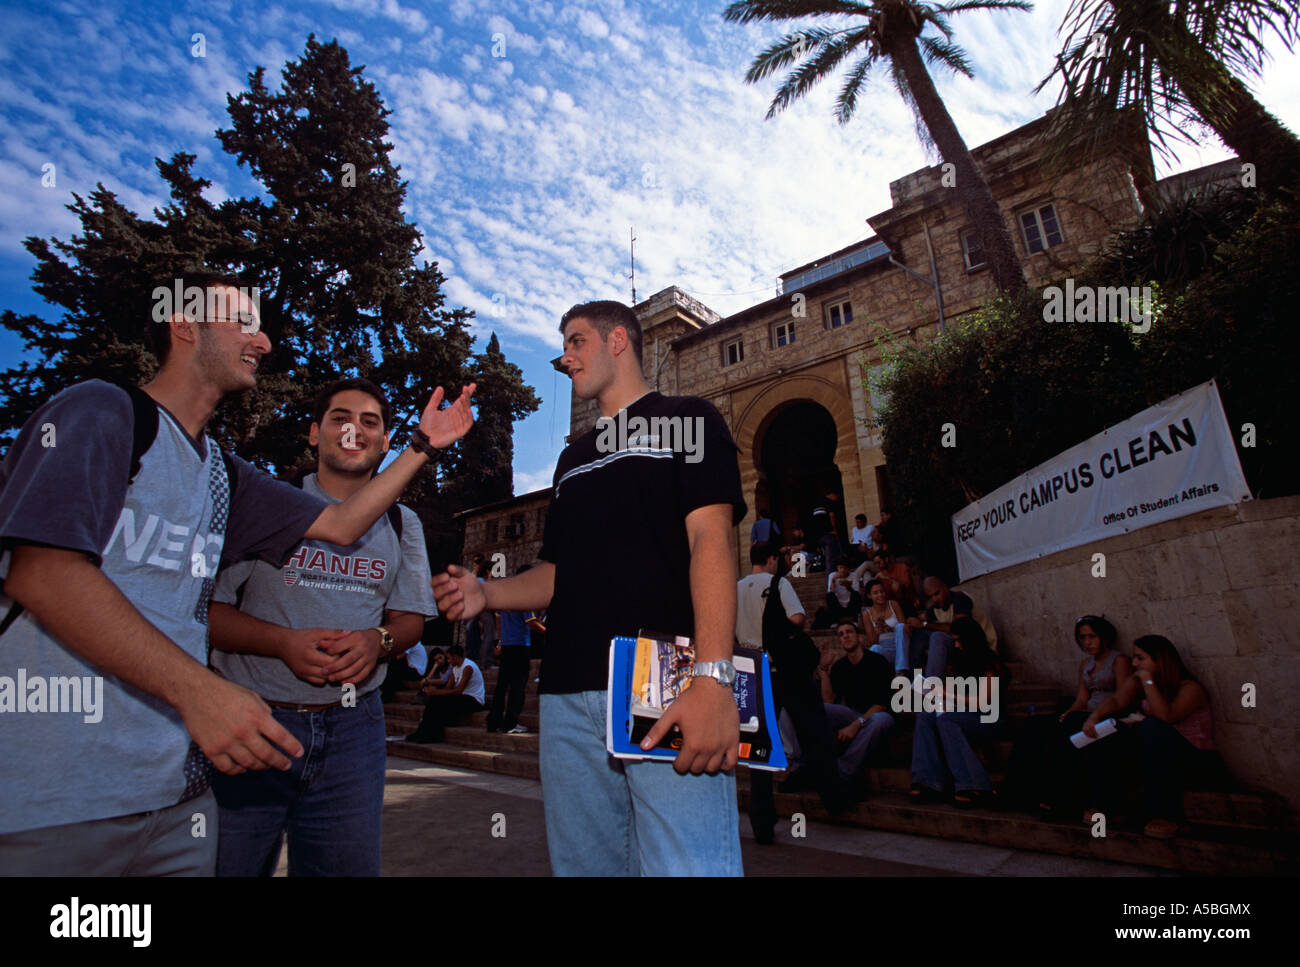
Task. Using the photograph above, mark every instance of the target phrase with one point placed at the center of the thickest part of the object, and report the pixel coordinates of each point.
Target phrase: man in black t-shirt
(638, 536)
(856, 690)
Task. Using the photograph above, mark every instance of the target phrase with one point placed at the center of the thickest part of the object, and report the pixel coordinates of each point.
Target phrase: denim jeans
(620, 817)
(329, 802)
(854, 754)
(943, 738)
(915, 645)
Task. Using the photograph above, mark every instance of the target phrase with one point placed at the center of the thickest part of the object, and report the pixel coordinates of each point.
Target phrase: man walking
(639, 535)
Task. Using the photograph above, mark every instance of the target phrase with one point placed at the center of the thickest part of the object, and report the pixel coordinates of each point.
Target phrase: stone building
(790, 375)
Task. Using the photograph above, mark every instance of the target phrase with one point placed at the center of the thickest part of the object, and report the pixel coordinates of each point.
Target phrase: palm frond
(755, 11)
(786, 51)
(824, 60)
(963, 5)
(941, 53)
(847, 102)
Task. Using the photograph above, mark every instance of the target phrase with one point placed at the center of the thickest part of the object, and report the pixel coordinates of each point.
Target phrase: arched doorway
(795, 453)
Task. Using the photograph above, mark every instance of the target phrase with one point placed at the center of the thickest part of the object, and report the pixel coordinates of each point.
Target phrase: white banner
(1172, 459)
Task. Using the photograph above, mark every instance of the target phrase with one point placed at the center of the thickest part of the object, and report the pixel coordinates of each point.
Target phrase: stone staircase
(1232, 833)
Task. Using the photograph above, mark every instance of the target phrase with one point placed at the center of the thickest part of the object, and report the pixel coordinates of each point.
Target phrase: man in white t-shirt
(460, 698)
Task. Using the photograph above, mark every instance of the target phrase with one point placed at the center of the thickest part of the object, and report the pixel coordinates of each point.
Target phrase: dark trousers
(1044, 766)
(396, 675)
(1156, 753)
(444, 710)
(803, 700)
(512, 684)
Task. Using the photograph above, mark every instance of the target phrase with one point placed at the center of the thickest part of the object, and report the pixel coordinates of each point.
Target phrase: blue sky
(525, 170)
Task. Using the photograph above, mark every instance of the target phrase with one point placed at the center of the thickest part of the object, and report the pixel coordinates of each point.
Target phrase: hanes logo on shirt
(368, 568)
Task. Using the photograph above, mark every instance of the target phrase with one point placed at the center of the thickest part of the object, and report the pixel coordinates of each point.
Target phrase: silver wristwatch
(723, 672)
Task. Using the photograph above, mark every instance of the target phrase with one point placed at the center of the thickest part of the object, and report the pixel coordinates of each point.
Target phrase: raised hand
(445, 427)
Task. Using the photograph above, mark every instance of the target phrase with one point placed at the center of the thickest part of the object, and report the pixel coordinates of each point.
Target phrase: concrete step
(408, 717)
(478, 737)
(459, 757)
(1206, 850)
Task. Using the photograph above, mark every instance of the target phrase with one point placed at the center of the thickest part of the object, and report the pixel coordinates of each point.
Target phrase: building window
(971, 250)
(783, 333)
(733, 352)
(1041, 229)
(493, 531)
(839, 314)
(515, 529)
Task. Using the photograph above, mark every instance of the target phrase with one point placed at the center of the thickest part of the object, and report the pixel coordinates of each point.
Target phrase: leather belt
(297, 707)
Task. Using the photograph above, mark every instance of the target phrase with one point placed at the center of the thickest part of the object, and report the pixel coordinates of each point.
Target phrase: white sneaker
(518, 730)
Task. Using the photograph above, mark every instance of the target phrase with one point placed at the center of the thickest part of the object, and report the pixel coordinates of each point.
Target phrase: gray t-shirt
(326, 586)
(109, 749)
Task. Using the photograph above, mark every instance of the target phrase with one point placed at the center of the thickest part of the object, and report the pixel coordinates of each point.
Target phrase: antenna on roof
(632, 261)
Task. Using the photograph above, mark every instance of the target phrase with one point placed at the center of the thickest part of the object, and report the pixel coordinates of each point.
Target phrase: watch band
(386, 643)
(420, 440)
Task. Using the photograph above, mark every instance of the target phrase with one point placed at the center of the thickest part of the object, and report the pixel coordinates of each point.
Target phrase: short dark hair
(760, 554)
(456, 650)
(322, 404)
(160, 333)
(866, 592)
(842, 623)
(605, 315)
(859, 516)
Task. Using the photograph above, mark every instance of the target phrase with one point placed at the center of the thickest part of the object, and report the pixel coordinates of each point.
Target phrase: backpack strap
(144, 411)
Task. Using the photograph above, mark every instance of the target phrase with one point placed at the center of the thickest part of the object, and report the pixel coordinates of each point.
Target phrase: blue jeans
(854, 754)
(620, 817)
(914, 645)
(330, 801)
(943, 738)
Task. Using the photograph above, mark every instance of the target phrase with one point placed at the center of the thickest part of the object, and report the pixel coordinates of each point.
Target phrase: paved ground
(439, 822)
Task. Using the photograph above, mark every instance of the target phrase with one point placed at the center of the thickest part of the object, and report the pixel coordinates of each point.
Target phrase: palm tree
(1177, 63)
(891, 33)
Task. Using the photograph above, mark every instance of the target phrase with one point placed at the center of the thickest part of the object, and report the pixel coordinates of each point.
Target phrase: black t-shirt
(616, 533)
(865, 684)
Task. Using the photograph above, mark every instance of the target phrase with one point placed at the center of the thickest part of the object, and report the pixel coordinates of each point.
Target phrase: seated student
(411, 668)
(798, 545)
(880, 616)
(896, 578)
(927, 637)
(1172, 745)
(453, 702)
(860, 544)
(841, 600)
(856, 692)
(437, 675)
(941, 746)
(1045, 766)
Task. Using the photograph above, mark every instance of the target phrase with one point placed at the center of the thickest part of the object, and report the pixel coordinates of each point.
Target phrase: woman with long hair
(1045, 770)
(1173, 743)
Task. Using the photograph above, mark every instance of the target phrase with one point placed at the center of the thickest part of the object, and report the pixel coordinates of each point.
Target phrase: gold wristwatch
(386, 643)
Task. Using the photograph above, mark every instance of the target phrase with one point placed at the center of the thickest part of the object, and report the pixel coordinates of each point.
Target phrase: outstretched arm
(344, 523)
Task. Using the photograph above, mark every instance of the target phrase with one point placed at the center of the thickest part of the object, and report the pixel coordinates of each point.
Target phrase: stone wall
(1221, 585)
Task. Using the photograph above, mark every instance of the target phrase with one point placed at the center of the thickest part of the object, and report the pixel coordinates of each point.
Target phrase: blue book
(647, 673)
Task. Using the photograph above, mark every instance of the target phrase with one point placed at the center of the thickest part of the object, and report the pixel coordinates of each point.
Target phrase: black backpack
(795, 654)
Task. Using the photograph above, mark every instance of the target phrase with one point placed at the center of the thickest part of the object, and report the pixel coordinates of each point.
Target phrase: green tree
(891, 34)
(1179, 64)
(331, 253)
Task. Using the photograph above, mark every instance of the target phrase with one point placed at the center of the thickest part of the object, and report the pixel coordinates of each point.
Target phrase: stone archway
(772, 419)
